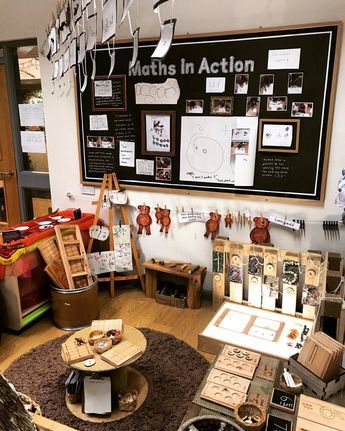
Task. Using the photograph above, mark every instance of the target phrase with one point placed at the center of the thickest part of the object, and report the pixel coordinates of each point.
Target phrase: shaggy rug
(173, 369)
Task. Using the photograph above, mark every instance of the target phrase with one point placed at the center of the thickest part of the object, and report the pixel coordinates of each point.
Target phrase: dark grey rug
(173, 369)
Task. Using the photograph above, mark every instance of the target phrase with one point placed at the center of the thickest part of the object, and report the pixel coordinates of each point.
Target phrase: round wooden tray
(135, 380)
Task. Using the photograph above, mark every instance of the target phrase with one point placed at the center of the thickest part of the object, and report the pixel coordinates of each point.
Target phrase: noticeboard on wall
(240, 113)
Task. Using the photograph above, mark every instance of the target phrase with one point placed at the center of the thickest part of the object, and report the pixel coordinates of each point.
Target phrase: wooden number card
(277, 424)
(236, 273)
(283, 400)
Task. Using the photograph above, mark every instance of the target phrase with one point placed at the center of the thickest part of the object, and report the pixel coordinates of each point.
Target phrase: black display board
(300, 173)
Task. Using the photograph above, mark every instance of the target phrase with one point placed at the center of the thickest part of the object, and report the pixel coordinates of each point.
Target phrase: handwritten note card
(190, 217)
(123, 249)
(144, 167)
(102, 262)
(33, 142)
(31, 114)
(215, 85)
(98, 122)
(284, 58)
(103, 88)
(127, 154)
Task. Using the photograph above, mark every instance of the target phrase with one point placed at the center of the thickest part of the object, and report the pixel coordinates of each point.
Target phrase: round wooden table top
(131, 334)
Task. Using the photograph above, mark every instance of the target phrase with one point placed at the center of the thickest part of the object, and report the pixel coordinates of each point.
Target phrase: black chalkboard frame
(250, 192)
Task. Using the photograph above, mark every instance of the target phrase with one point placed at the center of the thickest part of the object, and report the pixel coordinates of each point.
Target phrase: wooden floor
(132, 306)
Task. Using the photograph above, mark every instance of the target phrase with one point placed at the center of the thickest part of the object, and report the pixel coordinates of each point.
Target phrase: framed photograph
(253, 107)
(158, 133)
(241, 83)
(279, 136)
(266, 85)
(222, 105)
(295, 83)
(163, 168)
(302, 109)
(277, 103)
(195, 106)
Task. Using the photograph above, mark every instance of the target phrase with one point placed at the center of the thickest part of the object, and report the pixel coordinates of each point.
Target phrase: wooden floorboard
(132, 306)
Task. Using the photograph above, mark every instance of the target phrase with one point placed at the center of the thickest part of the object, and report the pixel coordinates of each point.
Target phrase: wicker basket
(33, 406)
(171, 301)
(102, 345)
(203, 423)
(250, 409)
(293, 390)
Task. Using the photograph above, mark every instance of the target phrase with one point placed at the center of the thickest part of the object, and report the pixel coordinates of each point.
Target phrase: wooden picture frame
(222, 105)
(158, 139)
(279, 135)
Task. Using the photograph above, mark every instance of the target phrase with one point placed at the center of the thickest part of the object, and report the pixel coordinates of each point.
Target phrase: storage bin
(74, 309)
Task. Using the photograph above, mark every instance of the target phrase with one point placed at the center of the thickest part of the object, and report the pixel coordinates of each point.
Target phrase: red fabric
(34, 234)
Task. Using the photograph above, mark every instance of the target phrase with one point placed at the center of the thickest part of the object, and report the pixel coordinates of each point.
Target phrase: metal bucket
(75, 309)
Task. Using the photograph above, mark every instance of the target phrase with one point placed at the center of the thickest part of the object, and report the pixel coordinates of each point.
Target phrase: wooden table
(122, 379)
(194, 286)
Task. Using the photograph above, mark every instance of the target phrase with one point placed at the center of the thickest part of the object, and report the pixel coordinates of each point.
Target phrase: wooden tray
(234, 366)
(229, 380)
(222, 395)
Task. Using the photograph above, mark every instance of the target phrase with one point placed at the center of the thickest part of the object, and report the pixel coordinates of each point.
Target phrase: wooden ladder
(110, 181)
(73, 256)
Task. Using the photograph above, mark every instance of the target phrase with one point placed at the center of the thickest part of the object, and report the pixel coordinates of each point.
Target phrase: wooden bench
(194, 274)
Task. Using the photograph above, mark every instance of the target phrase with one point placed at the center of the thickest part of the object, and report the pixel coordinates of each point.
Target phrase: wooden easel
(110, 180)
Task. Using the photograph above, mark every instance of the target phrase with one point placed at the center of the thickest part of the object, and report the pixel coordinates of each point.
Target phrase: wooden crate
(321, 389)
(170, 300)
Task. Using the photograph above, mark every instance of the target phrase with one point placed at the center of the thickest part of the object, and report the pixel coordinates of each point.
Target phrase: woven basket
(250, 409)
(203, 423)
(297, 390)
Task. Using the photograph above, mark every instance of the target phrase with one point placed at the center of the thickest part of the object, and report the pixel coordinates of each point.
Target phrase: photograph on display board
(222, 105)
(107, 142)
(163, 168)
(241, 83)
(277, 103)
(253, 106)
(302, 109)
(158, 133)
(266, 85)
(295, 83)
(195, 106)
(280, 136)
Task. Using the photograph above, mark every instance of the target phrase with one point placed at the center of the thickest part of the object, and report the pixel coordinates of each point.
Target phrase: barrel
(75, 309)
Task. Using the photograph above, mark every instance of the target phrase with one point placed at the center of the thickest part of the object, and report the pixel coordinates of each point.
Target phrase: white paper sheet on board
(215, 85)
(123, 249)
(165, 93)
(98, 122)
(277, 135)
(103, 88)
(108, 20)
(31, 114)
(127, 154)
(33, 142)
(284, 59)
(102, 262)
(206, 150)
(144, 167)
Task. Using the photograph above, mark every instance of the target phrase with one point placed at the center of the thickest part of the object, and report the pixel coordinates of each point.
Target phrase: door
(9, 197)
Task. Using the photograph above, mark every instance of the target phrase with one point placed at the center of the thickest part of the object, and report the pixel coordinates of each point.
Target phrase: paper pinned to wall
(102, 262)
(103, 88)
(109, 20)
(166, 93)
(283, 59)
(31, 114)
(123, 249)
(206, 150)
(99, 122)
(215, 84)
(127, 154)
(190, 217)
(33, 142)
(144, 167)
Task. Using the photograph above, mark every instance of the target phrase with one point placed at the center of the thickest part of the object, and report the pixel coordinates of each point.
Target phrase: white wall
(20, 19)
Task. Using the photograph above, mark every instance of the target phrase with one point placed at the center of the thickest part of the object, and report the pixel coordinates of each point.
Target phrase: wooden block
(289, 299)
(243, 355)
(56, 272)
(235, 366)
(49, 251)
(306, 425)
(270, 262)
(254, 291)
(266, 371)
(315, 356)
(320, 412)
(73, 352)
(222, 395)
(218, 283)
(229, 380)
(121, 353)
(107, 325)
(259, 398)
